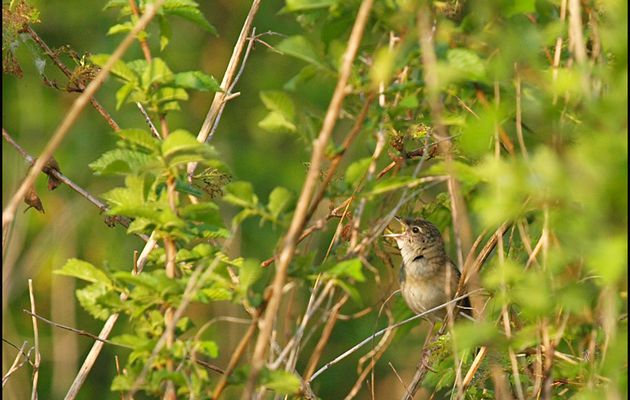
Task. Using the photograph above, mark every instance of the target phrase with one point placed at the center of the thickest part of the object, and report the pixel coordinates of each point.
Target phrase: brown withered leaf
(32, 200)
(49, 167)
(346, 232)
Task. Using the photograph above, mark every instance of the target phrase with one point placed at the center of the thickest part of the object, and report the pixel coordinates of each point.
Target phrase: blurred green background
(72, 227)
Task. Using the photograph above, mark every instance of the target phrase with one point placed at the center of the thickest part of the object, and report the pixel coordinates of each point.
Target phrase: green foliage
(532, 127)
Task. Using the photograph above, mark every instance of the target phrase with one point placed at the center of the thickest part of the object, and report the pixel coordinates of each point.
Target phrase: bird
(428, 278)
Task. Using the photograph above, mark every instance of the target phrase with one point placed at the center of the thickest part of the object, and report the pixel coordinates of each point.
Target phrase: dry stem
(53, 56)
(8, 214)
(299, 216)
(36, 340)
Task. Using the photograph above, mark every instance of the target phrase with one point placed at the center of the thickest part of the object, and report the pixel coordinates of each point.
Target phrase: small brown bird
(428, 278)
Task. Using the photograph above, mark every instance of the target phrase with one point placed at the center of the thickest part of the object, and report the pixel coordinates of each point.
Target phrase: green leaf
(469, 335)
(157, 72)
(88, 297)
(276, 100)
(356, 170)
(120, 28)
(202, 212)
(188, 10)
(208, 348)
(214, 294)
(196, 80)
(165, 32)
(121, 162)
(130, 195)
(304, 5)
(128, 340)
(520, 7)
(123, 93)
(179, 140)
(140, 137)
(300, 47)
(83, 270)
(409, 101)
(240, 193)
(279, 200)
(467, 63)
(122, 383)
(120, 69)
(275, 122)
(392, 183)
(282, 382)
(168, 94)
(349, 268)
(351, 290)
(249, 273)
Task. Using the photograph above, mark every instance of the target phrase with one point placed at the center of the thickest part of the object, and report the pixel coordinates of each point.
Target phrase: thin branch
(79, 332)
(236, 356)
(519, 118)
(228, 77)
(53, 56)
(154, 131)
(299, 216)
(143, 41)
(89, 361)
(38, 356)
(8, 214)
(16, 363)
(323, 338)
(382, 332)
(58, 175)
(347, 142)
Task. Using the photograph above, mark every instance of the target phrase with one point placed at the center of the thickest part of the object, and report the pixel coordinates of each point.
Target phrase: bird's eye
(415, 229)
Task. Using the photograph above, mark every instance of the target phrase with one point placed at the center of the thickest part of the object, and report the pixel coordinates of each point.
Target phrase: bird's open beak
(392, 234)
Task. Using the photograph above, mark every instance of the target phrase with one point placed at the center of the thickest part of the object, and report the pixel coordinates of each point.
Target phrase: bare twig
(79, 332)
(16, 363)
(236, 356)
(154, 131)
(323, 338)
(299, 215)
(53, 56)
(142, 39)
(38, 356)
(380, 333)
(8, 214)
(228, 77)
(87, 195)
(519, 124)
(347, 142)
(89, 361)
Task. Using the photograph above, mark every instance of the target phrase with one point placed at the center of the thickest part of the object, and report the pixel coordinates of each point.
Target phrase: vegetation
(242, 250)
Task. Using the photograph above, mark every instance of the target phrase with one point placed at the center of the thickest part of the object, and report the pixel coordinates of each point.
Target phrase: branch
(382, 332)
(79, 332)
(8, 214)
(299, 216)
(15, 366)
(89, 361)
(38, 356)
(61, 177)
(228, 77)
(97, 106)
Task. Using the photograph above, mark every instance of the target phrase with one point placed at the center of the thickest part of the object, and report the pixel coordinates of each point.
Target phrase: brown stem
(323, 339)
(299, 216)
(334, 163)
(8, 214)
(236, 356)
(53, 56)
(143, 41)
(61, 177)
